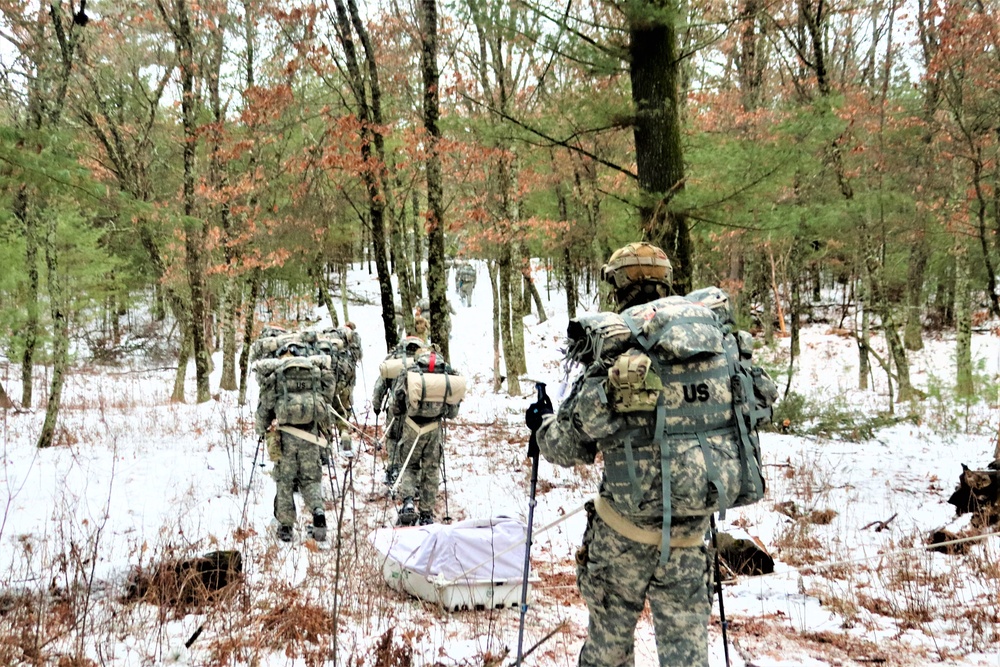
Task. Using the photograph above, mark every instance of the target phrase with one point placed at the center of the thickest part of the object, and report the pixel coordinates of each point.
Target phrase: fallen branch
(880, 525)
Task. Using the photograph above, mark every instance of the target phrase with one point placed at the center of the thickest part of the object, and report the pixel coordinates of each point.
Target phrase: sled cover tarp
(471, 550)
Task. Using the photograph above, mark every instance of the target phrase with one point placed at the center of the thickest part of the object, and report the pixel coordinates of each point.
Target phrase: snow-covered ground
(140, 478)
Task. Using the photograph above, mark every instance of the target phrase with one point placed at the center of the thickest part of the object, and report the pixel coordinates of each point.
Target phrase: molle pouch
(301, 408)
(632, 384)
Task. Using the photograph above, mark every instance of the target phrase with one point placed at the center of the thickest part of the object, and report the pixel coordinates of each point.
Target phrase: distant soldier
(397, 362)
(422, 397)
(465, 283)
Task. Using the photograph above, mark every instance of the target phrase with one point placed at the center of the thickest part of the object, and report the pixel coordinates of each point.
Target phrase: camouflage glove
(273, 439)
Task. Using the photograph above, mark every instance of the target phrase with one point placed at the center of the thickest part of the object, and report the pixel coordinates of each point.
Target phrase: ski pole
(718, 589)
(444, 474)
(253, 467)
(533, 453)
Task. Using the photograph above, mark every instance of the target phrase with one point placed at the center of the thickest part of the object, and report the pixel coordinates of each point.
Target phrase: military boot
(318, 528)
(407, 514)
(425, 518)
(285, 533)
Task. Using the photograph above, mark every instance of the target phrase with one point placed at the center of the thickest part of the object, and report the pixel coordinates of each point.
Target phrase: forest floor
(854, 492)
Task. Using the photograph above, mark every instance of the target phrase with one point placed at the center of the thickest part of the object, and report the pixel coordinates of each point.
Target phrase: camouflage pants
(394, 431)
(422, 475)
(300, 460)
(616, 576)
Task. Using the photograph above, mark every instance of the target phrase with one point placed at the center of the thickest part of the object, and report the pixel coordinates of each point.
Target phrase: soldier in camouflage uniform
(418, 450)
(297, 462)
(407, 348)
(619, 565)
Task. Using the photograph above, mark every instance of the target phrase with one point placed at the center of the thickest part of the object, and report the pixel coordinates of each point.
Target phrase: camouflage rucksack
(685, 402)
(300, 389)
(433, 389)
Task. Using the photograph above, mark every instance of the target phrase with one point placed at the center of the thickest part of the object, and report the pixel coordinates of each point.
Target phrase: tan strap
(420, 430)
(305, 435)
(651, 536)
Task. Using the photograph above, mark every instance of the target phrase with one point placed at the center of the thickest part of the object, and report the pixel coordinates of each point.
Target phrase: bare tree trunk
(249, 319)
(194, 231)
(60, 333)
(492, 268)
(570, 283)
(507, 313)
(864, 362)
(437, 286)
(183, 357)
(964, 386)
(369, 113)
(22, 211)
(919, 251)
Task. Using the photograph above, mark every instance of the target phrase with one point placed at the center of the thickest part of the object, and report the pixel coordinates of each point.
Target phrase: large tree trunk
(30, 332)
(437, 285)
(654, 69)
(194, 230)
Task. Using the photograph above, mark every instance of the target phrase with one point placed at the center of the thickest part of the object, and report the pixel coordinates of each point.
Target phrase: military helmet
(272, 330)
(412, 344)
(295, 349)
(637, 263)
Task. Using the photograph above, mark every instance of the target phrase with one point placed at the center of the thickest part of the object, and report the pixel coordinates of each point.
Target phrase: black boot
(407, 514)
(425, 518)
(318, 529)
(285, 533)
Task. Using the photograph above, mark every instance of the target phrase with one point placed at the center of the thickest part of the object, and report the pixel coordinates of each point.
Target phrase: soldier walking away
(673, 413)
(465, 283)
(422, 397)
(297, 392)
(397, 362)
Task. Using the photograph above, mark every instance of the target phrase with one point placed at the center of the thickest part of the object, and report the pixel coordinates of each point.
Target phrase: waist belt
(305, 435)
(651, 536)
(420, 430)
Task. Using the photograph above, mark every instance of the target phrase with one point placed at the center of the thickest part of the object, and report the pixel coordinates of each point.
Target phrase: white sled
(473, 564)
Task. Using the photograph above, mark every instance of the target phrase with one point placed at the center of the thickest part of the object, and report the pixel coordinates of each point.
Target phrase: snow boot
(285, 533)
(425, 518)
(317, 530)
(407, 515)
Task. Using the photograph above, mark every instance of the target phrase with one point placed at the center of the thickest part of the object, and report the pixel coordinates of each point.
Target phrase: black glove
(536, 411)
